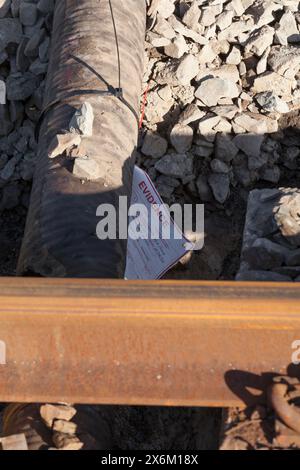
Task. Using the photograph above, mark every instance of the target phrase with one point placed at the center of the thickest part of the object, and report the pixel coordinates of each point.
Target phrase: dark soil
(12, 224)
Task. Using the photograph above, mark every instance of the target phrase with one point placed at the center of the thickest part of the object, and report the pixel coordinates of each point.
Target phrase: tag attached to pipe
(155, 242)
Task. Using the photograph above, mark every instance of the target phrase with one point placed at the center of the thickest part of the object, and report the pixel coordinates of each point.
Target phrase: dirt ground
(12, 224)
(159, 428)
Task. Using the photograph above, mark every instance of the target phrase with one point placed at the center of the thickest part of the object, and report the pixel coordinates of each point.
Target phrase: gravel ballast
(223, 99)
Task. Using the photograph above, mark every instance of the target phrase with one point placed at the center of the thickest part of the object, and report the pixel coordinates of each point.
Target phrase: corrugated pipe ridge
(60, 236)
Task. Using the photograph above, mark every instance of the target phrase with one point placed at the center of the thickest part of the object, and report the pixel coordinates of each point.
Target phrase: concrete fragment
(88, 169)
(50, 413)
(66, 442)
(62, 142)
(64, 426)
(83, 120)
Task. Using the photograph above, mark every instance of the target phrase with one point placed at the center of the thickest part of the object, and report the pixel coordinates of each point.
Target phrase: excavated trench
(172, 37)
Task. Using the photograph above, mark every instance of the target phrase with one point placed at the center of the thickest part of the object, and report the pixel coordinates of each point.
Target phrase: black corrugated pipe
(60, 237)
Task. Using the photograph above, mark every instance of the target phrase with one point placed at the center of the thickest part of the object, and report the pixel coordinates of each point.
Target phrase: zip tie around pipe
(111, 91)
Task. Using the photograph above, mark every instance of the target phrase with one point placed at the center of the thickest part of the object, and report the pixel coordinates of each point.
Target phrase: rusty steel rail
(147, 343)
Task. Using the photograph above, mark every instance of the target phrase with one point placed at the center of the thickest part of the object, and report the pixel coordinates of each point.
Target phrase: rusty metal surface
(60, 238)
(164, 343)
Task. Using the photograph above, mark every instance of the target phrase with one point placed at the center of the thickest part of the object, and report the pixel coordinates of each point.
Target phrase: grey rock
(220, 185)
(3, 160)
(191, 114)
(27, 166)
(244, 176)
(267, 81)
(168, 180)
(287, 30)
(10, 196)
(44, 49)
(21, 86)
(271, 175)
(177, 48)
(8, 171)
(187, 69)
(22, 62)
(10, 32)
(291, 271)
(165, 191)
(192, 16)
(15, 7)
(259, 40)
(6, 125)
(45, 6)
(38, 68)
(33, 43)
(287, 216)
(225, 148)
(154, 145)
(176, 165)
(181, 138)
(228, 111)
(264, 254)
(250, 144)
(88, 169)
(285, 60)
(204, 190)
(272, 103)
(4, 7)
(28, 13)
(212, 90)
(257, 162)
(293, 258)
(218, 166)
(265, 276)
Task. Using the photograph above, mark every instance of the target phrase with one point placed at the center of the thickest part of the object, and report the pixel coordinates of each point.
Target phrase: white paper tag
(151, 258)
